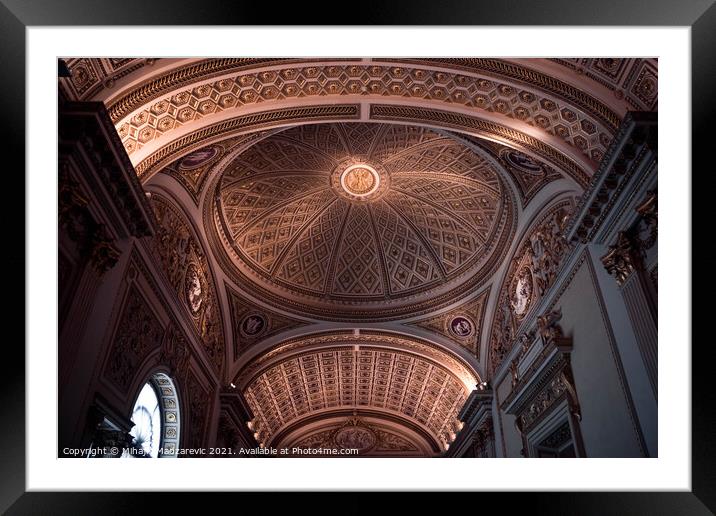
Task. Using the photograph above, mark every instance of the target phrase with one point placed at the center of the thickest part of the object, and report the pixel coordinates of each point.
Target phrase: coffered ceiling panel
(393, 376)
(345, 219)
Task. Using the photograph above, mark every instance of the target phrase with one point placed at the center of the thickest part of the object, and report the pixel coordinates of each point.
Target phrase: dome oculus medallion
(357, 180)
(360, 180)
(361, 220)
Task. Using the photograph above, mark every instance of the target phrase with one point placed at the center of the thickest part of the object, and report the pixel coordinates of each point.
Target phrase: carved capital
(103, 253)
(622, 258)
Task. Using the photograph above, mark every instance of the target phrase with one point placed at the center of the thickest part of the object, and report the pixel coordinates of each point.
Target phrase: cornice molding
(633, 148)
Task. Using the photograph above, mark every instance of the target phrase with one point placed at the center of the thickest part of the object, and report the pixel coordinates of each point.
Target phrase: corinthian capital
(622, 258)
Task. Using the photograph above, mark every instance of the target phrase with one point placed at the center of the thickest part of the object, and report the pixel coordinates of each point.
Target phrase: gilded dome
(347, 220)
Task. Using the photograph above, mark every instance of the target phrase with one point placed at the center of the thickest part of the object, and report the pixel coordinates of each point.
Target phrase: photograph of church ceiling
(409, 257)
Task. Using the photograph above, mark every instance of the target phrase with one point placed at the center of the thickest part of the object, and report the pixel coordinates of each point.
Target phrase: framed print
(359, 258)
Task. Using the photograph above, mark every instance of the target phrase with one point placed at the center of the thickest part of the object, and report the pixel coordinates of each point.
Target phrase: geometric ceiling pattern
(578, 101)
(343, 191)
(529, 175)
(253, 323)
(435, 216)
(462, 325)
(582, 128)
(192, 170)
(634, 80)
(358, 373)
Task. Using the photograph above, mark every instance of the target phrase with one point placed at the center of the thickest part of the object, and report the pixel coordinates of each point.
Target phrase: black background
(16, 15)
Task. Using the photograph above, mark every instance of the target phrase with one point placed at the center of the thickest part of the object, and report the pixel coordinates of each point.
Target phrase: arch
(537, 99)
(320, 430)
(156, 409)
(392, 377)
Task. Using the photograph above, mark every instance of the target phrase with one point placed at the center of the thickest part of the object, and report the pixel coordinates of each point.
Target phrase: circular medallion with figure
(462, 327)
(252, 325)
(521, 292)
(522, 161)
(194, 289)
(198, 158)
(355, 437)
(358, 180)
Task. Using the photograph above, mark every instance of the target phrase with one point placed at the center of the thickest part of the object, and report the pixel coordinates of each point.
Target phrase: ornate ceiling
(299, 214)
(366, 234)
(371, 435)
(391, 377)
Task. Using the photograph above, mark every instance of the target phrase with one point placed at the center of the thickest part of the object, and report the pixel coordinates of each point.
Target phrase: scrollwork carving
(532, 272)
(187, 269)
(103, 253)
(514, 373)
(648, 211)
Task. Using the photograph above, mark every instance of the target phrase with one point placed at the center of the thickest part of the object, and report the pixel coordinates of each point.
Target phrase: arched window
(156, 419)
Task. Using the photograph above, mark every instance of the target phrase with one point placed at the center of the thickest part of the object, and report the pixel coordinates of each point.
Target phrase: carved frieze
(542, 402)
(187, 269)
(369, 438)
(252, 323)
(546, 381)
(462, 325)
(137, 334)
(532, 272)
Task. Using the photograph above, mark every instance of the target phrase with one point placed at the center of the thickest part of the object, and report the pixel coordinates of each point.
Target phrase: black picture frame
(700, 15)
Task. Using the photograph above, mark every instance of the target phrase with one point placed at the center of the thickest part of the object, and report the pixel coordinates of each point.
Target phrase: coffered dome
(353, 220)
